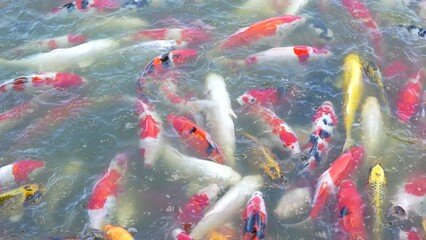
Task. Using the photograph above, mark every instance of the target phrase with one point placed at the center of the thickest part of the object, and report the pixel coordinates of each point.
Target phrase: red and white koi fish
(255, 218)
(19, 171)
(264, 97)
(413, 234)
(350, 207)
(271, 27)
(59, 59)
(45, 45)
(86, 6)
(194, 209)
(284, 55)
(324, 121)
(218, 113)
(179, 234)
(192, 36)
(196, 138)
(294, 202)
(361, 13)
(150, 133)
(282, 135)
(201, 170)
(13, 116)
(227, 206)
(105, 191)
(57, 80)
(409, 98)
(410, 198)
(332, 178)
(164, 63)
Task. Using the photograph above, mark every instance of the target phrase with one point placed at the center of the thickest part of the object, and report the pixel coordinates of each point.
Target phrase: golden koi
(353, 87)
(377, 184)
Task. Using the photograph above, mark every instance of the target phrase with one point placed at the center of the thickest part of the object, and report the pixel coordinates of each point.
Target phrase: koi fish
(324, 121)
(332, 178)
(282, 136)
(165, 62)
(150, 133)
(294, 202)
(218, 112)
(105, 191)
(12, 202)
(227, 206)
(264, 97)
(377, 184)
(45, 45)
(270, 7)
(353, 89)
(192, 36)
(409, 98)
(359, 12)
(374, 74)
(372, 126)
(410, 198)
(350, 206)
(267, 161)
(82, 55)
(267, 28)
(196, 138)
(116, 233)
(179, 234)
(285, 55)
(87, 6)
(412, 234)
(20, 171)
(255, 218)
(193, 210)
(202, 170)
(57, 80)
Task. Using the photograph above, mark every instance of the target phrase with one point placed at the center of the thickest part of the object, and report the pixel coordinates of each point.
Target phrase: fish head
(320, 52)
(183, 56)
(377, 173)
(116, 232)
(180, 124)
(23, 170)
(33, 193)
(399, 212)
(254, 217)
(246, 98)
(289, 23)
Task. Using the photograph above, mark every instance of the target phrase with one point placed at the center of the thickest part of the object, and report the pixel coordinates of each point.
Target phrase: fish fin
(348, 143)
(231, 112)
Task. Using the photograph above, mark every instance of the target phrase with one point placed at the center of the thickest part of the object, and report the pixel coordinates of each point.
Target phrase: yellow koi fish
(377, 185)
(353, 87)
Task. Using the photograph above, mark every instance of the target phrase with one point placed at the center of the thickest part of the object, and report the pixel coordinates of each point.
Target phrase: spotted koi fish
(191, 36)
(255, 218)
(410, 198)
(86, 6)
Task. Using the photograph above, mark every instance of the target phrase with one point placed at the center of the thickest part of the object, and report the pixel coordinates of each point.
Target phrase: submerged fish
(294, 202)
(410, 198)
(353, 89)
(116, 233)
(191, 36)
(264, 97)
(409, 98)
(271, 27)
(270, 7)
(255, 218)
(377, 184)
(12, 202)
(375, 75)
(19, 171)
(227, 206)
(372, 127)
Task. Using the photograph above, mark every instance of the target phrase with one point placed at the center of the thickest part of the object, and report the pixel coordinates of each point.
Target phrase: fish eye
(252, 100)
(28, 188)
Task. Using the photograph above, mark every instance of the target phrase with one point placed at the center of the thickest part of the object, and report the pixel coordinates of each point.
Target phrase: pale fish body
(204, 171)
(128, 210)
(227, 206)
(294, 202)
(93, 26)
(271, 7)
(372, 127)
(353, 88)
(82, 55)
(377, 184)
(156, 46)
(62, 184)
(219, 116)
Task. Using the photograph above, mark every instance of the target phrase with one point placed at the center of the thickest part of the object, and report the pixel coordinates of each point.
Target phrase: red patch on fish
(193, 211)
(152, 34)
(106, 4)
(52, 44)
(396, 68)
(149, 127)
(416, 186)
(19, 84)
(409, 98)
(302, 52)
(105, 187)
(22, 169)
(67, 80)
(76, 39)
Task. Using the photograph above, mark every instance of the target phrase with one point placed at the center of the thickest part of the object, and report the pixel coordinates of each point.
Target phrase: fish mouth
(399, 212)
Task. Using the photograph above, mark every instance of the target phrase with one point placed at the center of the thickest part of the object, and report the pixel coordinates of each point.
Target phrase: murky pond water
(78, 132)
